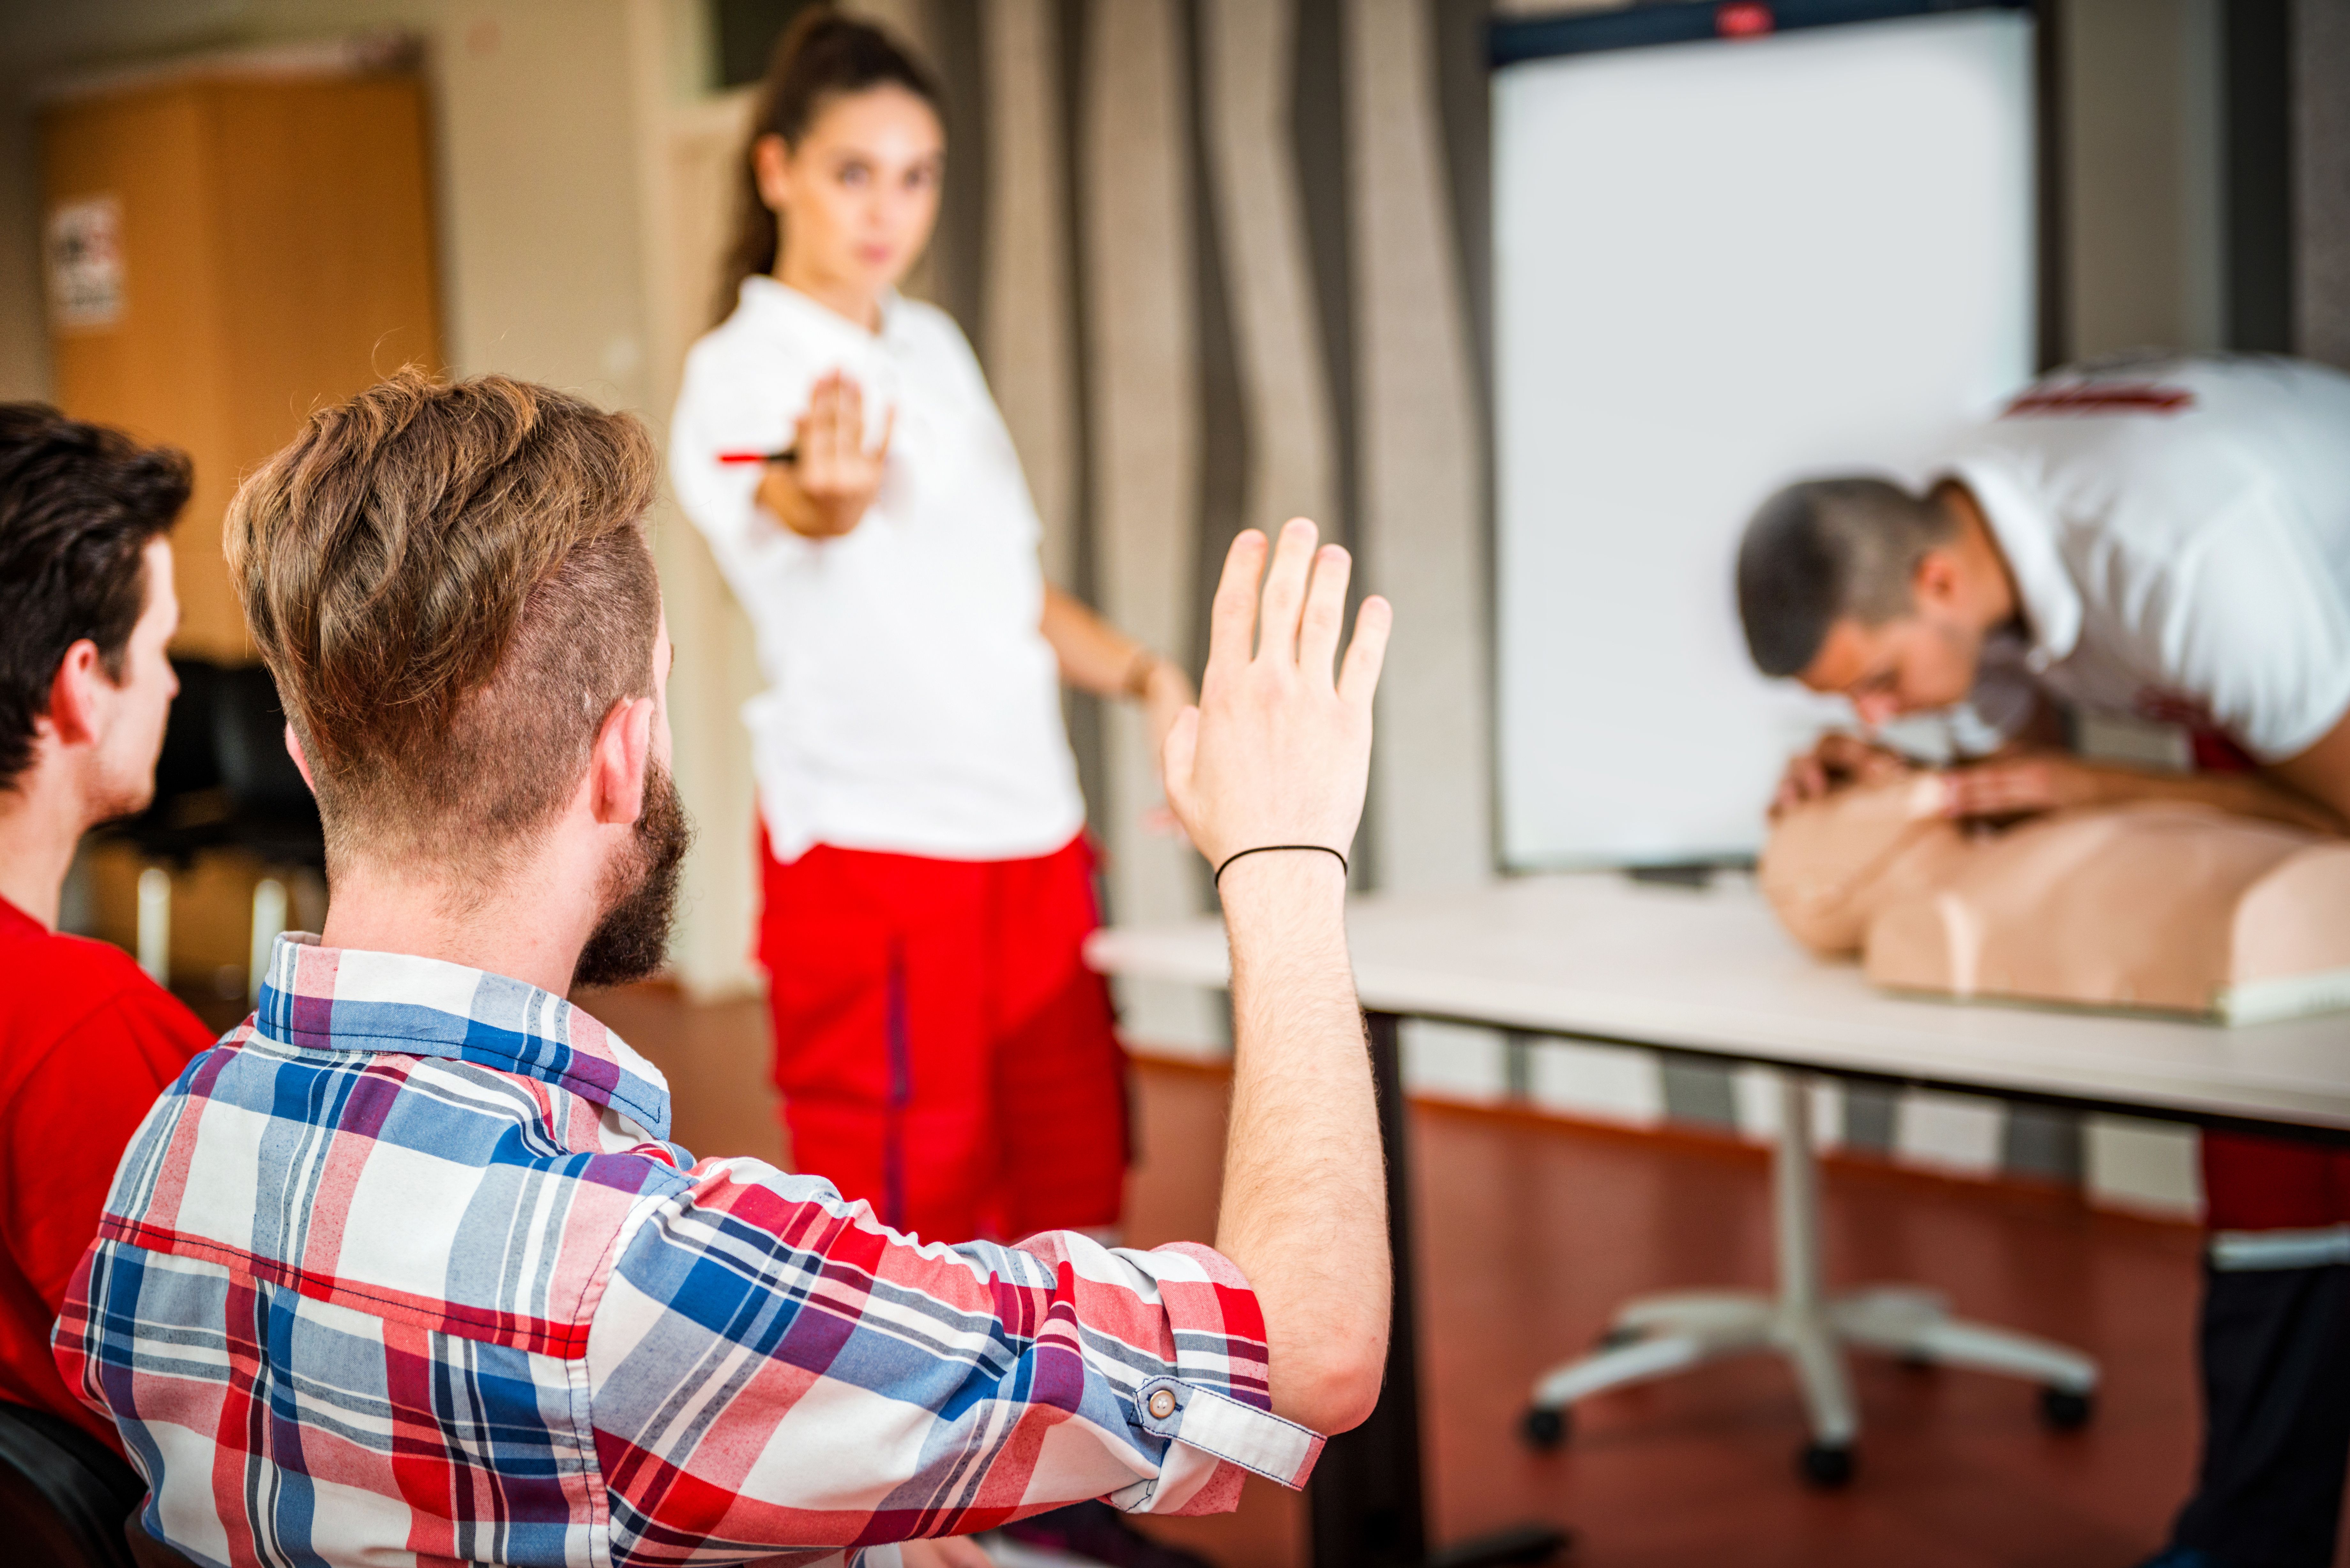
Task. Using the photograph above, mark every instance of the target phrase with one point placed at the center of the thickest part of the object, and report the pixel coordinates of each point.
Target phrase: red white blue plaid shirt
(403, 1270)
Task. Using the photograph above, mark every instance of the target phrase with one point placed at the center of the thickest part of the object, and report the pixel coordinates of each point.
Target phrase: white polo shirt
(2179, 533)
(913, 705)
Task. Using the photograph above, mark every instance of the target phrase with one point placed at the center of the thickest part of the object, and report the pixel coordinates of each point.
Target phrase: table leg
(1366, 1495)
(1805, 1329)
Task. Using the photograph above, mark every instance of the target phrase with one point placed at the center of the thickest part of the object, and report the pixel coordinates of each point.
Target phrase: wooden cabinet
(272, 250)
(228, 248)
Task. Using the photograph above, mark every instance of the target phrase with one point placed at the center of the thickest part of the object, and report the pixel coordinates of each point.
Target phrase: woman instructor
(941, 1049)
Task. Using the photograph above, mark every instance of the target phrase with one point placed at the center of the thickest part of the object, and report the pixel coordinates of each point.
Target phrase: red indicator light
(1742, 19)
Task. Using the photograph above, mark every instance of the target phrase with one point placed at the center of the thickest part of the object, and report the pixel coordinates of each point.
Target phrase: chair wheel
(1824, 1465)
(1543, 1428)
(2066, 1409)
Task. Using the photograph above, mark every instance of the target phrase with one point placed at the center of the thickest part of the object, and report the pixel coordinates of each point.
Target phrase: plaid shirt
(404, 1270)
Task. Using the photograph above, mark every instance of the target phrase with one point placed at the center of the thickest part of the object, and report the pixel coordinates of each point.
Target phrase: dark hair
(450, 584)
(78, 504)
(822, 56)
(1827, 548)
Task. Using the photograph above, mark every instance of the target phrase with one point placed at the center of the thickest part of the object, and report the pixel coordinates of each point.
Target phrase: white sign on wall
(1718, 267)
(83, 248)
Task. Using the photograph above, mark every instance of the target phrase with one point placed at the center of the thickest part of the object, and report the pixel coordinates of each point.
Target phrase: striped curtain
(1213, 256)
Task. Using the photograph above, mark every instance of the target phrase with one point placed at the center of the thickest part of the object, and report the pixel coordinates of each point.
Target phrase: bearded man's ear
(618, 762)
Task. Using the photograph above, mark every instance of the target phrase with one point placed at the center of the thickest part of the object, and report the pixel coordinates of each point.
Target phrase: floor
(1548, 1224)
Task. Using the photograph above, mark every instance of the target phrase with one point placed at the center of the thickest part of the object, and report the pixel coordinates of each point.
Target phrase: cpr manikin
(2173, 907)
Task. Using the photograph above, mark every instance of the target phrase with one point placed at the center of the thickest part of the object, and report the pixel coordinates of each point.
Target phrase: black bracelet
(1218, 880)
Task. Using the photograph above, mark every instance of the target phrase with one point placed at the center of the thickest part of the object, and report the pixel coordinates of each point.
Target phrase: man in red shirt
(87, 1041)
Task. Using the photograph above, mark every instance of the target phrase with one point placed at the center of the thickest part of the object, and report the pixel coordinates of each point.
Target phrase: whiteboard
(1718, 266)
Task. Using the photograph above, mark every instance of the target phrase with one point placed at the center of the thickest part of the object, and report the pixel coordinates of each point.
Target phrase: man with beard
(87, 1040)
(406, 1268)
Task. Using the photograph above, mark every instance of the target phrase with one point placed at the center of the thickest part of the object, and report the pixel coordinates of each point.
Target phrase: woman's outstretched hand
(1278, 750)
(824, 492)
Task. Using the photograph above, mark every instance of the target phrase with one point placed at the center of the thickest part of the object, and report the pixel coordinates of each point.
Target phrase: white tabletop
(1601, 957)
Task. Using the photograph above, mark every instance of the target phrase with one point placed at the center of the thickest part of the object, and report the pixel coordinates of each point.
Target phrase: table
(1598, 957)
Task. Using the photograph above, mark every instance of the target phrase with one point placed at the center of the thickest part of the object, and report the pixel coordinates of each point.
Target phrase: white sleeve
(721, 408)
(2251, 623)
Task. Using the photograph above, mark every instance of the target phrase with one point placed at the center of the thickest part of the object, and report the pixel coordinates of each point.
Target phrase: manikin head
(452, 587)
(842, 174)
(1854, 587)
(85, 608)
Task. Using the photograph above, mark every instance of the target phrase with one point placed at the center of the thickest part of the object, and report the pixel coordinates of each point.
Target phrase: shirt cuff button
(1162, 1404)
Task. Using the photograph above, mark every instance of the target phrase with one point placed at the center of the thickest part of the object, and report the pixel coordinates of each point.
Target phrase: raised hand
(823, 492)
(1278, 750)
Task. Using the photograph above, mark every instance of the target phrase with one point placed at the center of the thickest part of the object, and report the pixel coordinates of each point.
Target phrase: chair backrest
(187, 765)
(64, 1495)
(274, 811)
(186, 771)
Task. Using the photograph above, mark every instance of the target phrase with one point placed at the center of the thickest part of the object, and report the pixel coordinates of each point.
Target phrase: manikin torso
(2170, 907)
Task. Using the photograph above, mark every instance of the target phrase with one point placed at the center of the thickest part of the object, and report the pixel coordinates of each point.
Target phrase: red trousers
(942, 1050)
(2255, 1183)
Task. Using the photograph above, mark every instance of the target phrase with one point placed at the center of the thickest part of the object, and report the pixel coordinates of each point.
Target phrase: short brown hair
(452, 584)
(78, 505)
(1827, 548)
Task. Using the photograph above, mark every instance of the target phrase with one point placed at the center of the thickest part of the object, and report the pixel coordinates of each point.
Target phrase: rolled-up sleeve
(770, 1369)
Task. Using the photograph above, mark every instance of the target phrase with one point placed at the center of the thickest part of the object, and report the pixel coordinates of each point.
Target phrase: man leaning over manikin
(406, 1265)
(2163, 539)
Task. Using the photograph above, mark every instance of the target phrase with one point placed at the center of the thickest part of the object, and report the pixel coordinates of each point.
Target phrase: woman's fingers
(1326, 613)
(1368, 652)
(803, 440)
(828, 450)
(1231, 620)
(852, 421)
(817, 438)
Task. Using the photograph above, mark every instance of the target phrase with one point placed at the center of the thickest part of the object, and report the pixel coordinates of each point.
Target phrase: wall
(540, 254)
(2321, 178)
(2142, 172)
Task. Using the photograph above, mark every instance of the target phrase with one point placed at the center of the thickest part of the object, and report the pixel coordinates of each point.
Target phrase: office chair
(271, 811)
(225, 780)
(64, 1495)
(187, 816)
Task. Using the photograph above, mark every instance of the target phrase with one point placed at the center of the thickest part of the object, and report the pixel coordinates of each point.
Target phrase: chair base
(1660, 1335)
